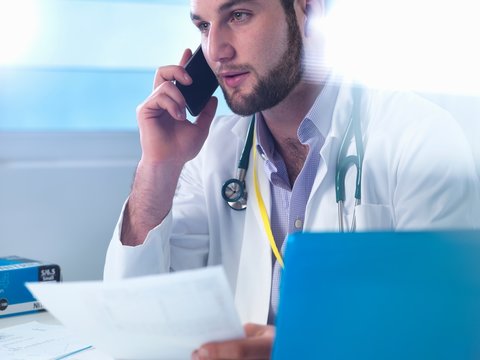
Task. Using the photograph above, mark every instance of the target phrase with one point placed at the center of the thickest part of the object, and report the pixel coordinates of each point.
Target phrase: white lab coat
(418, 173)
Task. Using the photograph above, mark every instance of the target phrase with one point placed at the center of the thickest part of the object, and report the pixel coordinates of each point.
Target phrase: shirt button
(262, 154)
(298, 224)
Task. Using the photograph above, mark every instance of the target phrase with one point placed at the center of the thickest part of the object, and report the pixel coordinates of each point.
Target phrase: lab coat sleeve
(129, 261)
(179, 242)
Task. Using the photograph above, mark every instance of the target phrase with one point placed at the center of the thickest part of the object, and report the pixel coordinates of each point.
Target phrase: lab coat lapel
(321, 210)
(252, 295)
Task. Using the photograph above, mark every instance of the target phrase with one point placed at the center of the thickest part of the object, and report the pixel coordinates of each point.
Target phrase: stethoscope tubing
(234, 190)
(344, 162)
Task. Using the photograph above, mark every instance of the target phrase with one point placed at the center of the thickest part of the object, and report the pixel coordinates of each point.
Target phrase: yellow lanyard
(263, 210)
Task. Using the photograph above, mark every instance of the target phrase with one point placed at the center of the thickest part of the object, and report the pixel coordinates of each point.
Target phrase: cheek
(269, 50)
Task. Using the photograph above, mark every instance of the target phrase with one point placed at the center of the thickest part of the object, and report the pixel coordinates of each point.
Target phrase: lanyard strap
(263, 210)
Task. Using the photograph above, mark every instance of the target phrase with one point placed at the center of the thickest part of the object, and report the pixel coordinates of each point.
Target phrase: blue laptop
(404, 295)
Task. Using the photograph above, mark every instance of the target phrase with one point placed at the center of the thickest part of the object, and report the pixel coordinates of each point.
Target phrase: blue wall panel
(71, 99)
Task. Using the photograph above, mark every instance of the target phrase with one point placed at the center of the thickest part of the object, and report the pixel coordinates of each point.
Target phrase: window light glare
(18, 27)
(425, 45)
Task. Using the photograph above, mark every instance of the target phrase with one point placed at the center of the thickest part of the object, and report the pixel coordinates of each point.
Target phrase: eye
(240, 16)
(203, 27)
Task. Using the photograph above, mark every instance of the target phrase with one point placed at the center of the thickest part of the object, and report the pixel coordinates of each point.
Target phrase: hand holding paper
(153, 317)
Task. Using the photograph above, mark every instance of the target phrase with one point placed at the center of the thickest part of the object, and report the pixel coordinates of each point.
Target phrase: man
(176, 218)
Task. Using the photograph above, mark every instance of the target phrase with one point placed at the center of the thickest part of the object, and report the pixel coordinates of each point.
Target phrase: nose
(219, 45)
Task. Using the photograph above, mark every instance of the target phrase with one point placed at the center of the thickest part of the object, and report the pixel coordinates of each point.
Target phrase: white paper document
(152, 317)
(35, 341)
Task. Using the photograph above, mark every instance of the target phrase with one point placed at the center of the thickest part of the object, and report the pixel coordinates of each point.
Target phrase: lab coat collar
(239, 129)
(329, 152)
(254, 276)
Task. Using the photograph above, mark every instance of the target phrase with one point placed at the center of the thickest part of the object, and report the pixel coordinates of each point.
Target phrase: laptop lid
(384, 295)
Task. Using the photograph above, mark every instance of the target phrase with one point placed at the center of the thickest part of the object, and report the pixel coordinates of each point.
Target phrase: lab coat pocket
(374, 217)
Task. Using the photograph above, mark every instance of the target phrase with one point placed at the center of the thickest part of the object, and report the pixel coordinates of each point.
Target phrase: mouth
(233, 79)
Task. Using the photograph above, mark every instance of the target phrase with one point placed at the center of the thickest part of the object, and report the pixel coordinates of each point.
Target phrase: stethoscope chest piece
(234, 193)
(233, 190)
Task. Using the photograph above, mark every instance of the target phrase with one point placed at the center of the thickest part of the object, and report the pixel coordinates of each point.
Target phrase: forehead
(209, 7)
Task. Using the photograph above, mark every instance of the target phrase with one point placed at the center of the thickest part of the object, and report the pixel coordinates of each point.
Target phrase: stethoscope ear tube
(341, 173)
(357, 92)
(344, 162)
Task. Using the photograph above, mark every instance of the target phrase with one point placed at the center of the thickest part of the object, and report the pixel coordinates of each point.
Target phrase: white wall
(95, 33)
(60, 196)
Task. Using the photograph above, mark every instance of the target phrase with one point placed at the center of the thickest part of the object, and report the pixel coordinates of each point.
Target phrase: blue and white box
(14, 273)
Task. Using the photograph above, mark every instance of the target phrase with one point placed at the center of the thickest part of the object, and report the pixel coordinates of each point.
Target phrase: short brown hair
(288, 4)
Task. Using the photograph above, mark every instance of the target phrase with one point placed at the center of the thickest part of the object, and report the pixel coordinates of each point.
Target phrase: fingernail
(187, 77)
(181, 115)
(203, 352)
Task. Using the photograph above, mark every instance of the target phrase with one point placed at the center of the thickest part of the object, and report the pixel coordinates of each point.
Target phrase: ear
(312, 9)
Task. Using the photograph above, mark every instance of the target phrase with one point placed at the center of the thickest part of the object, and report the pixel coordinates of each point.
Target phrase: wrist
(150, 200)
(155, 167)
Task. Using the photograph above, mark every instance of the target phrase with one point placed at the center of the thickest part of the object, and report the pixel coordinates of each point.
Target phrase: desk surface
(42, 317)
(45, 318)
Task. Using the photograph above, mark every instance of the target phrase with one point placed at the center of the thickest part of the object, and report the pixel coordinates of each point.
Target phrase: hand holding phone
(203, 86)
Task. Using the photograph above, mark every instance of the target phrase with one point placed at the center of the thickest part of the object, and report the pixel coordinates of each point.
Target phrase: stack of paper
(35, 341)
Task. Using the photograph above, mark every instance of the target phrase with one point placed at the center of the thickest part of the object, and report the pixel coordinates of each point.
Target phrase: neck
(283, 121)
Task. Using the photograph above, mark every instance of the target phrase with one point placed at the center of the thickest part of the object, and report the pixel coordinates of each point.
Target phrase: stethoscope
(344, 162)
(234, 190)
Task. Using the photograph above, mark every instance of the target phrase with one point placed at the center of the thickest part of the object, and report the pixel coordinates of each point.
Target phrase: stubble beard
(274, 87)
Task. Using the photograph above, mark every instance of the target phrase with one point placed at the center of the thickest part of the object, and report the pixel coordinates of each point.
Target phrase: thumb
(208, 113)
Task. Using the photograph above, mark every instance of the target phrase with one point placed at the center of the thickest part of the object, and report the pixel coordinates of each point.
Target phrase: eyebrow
(224, 7)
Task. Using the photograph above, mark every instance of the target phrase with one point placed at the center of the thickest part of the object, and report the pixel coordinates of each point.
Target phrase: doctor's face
(253, 47)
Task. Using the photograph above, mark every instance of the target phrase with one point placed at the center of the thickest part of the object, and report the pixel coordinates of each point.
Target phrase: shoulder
(392, 114)
(229, 123)
(226, 136)
(403, 109)
(226, 131)
(412, 134)
(407, 120)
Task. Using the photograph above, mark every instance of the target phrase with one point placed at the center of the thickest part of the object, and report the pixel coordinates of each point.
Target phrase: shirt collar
(321, 113)
(265, 145)
(317, 121)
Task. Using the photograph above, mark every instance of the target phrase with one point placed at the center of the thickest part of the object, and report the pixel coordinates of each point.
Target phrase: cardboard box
(14, 273)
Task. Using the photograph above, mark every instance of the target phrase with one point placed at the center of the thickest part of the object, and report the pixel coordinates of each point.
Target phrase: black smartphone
(203, 86)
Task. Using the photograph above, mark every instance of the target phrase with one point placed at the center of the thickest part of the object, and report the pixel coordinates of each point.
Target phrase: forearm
(150, 200)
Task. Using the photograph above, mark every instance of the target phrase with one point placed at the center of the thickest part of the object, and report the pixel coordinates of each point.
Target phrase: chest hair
(294, 155)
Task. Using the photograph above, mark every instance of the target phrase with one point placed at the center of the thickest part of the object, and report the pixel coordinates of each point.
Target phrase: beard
(275, 86)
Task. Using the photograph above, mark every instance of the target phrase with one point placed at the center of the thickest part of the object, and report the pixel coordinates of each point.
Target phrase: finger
(252, 329)
(171, 73)
(171, 91)
(166, 101)
(187, 54)
(251, 348)
(208, 113)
